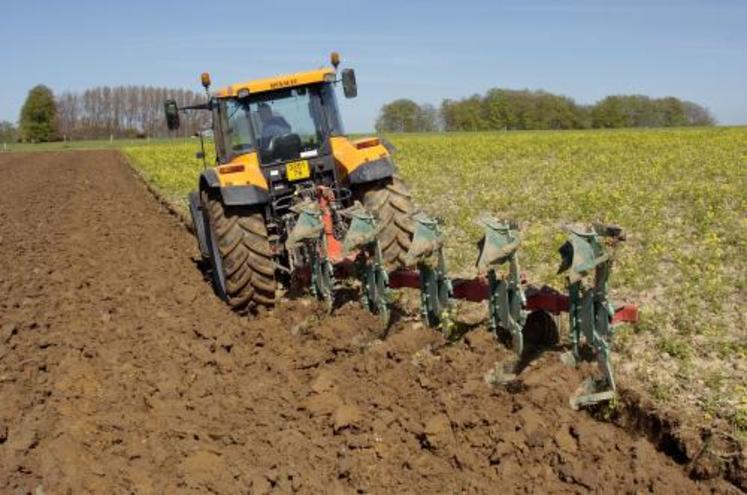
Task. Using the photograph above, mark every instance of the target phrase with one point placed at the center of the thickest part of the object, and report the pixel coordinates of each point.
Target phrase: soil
(121, 371)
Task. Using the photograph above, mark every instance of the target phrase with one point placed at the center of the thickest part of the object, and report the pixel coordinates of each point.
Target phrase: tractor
(280, 146)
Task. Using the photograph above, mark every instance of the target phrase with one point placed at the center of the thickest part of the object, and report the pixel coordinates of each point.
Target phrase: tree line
(506, 109)
(137, 111)
(101, 112)
(124, 112)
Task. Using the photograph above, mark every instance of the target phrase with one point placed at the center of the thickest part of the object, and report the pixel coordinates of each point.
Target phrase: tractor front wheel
(243, 269)
(391, 203)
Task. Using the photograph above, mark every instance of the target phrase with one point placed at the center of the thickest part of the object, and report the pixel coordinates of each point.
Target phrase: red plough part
(476, 289)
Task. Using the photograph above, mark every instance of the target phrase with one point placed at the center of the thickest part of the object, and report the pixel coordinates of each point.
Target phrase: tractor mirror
(349, 86)
(172, 114)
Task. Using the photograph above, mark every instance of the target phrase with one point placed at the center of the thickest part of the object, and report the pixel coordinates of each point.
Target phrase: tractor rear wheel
(390, 201)
(243, 269)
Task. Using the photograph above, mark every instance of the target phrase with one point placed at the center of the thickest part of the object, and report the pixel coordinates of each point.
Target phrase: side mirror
(349, 86)
(172, 114)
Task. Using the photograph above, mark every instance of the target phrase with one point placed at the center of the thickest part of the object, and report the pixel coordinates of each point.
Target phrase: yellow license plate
(298, 170)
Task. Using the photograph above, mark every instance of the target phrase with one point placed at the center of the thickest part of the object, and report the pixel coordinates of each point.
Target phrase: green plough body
(426, 252)
(308, 230)
(506, 299)
(361, 238)
(590, 311)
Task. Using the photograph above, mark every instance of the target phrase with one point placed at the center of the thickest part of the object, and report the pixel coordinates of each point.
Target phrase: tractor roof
(277, 82)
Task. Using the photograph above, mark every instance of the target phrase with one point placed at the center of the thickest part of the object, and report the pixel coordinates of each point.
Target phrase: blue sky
(424, 50)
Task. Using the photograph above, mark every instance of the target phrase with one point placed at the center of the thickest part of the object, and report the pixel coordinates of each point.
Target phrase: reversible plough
(585, 257)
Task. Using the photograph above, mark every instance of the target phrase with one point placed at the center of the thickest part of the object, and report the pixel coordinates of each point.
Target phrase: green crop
(171, 167)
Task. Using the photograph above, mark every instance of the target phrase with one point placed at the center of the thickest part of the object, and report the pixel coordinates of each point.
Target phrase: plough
(584, 257)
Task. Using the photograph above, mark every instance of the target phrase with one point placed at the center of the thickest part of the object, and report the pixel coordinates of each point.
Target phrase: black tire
(390, 201)
(198, 223)
(240, 254)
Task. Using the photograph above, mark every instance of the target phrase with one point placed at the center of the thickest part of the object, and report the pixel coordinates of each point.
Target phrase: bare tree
(124, 111)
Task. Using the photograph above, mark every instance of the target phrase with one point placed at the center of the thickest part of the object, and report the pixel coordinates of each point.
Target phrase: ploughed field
(679, 193)
(120, 371)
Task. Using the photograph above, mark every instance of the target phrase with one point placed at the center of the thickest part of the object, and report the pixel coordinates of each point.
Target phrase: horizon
(690, 50)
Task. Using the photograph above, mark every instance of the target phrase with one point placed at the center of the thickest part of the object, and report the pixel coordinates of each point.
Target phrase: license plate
(298, 170)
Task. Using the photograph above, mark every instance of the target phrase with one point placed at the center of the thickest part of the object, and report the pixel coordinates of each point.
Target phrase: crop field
(119, 366)
(121, 371)
(679, 194)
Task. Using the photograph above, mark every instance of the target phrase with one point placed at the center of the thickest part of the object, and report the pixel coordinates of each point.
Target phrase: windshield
(279, 114)
(282, 125)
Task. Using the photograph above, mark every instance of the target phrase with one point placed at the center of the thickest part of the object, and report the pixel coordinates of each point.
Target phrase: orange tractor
(279, 145)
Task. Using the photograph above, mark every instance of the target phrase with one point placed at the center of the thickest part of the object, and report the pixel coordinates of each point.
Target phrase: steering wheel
(287, 144)
(274, 142)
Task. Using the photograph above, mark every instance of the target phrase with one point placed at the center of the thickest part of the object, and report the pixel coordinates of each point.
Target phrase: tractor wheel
(243, 269)
(390, 201)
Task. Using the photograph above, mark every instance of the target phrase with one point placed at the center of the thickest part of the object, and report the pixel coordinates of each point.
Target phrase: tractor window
(220, 145)
(237, 135)
(286, 123)
(282, 125)
(329, 103)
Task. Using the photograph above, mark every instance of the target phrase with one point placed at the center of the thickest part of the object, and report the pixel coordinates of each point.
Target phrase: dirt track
(120, 371)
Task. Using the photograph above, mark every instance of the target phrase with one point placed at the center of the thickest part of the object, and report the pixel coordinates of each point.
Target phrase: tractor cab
(278, 135)
(282, 118)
